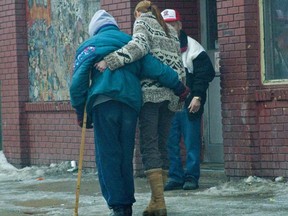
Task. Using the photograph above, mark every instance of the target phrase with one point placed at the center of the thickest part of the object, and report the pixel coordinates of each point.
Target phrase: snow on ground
(10, 173)
(50, 191)
(247, 186)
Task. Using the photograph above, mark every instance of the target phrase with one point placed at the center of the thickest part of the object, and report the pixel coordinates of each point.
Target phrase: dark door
(213, 141)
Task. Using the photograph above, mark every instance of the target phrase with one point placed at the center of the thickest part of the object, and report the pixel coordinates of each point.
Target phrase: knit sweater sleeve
(134, 50)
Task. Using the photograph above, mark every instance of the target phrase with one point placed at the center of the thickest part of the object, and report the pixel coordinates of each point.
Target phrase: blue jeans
(114, 135)
(190, 130)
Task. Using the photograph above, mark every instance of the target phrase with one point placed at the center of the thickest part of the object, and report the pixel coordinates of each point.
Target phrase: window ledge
(271, 94)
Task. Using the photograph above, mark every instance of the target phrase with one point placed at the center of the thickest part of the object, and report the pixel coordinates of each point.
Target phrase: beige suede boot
(157, 205)
(165, 176)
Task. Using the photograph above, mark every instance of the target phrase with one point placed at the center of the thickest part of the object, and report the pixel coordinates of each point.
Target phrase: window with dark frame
(275, 35)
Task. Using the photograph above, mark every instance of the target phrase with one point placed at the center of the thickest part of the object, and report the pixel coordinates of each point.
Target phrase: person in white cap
(187, 123)
(152, 35)
(113, 102)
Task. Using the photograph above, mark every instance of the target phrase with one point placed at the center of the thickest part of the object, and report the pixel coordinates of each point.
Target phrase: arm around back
(132, 51)
(153, 68)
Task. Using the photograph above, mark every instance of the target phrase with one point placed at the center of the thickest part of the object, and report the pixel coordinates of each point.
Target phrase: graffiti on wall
(55, 29)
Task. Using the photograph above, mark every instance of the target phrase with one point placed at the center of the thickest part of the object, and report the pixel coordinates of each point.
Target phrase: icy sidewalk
(50, 191)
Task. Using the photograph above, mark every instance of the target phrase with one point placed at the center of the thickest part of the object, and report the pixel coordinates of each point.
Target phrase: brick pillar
(14, 79)
(239, 48)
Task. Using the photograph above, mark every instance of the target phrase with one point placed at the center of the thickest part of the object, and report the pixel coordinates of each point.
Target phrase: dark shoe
(121, 211)
(172, 185)
(190, 184)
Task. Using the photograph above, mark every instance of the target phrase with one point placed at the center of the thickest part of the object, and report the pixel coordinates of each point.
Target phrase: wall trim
(59, 106)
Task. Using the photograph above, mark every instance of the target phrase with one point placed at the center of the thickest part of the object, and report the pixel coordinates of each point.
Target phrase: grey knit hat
(100, 18)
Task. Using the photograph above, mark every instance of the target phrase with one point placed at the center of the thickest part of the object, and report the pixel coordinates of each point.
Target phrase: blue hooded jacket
(122, 84)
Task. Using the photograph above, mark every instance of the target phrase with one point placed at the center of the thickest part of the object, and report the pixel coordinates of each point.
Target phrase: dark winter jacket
(123, 84)
(199, 70)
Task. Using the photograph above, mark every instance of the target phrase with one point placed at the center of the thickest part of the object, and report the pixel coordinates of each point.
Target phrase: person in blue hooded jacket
(113, 101)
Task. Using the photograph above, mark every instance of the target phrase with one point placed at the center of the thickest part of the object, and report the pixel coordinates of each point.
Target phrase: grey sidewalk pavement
(54, 195)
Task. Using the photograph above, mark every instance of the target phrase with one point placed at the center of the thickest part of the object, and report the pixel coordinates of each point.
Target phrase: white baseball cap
(170, 15)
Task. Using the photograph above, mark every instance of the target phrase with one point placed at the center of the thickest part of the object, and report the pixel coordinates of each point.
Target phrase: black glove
(80, 116)
(182, 91)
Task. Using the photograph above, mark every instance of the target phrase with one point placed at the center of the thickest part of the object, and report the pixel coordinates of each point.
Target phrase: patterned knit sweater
(149, 36)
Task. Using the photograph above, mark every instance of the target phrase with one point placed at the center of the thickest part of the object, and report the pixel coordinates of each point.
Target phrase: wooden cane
(80, 162)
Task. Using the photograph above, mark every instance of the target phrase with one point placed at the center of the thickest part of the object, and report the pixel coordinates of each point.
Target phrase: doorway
(212, 121)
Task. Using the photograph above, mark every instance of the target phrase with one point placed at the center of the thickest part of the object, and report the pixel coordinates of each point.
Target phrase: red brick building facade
(254, 113)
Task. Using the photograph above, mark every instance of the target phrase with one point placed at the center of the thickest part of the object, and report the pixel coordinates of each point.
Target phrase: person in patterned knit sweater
(152, 35)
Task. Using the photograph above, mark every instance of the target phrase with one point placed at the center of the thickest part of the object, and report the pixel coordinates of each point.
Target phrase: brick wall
(273, 130)
(254, 121)
(122, 11)
(239, 80)
(254, 116)
(33, 133)
(14, 82)
(54, 136)
(45, 132)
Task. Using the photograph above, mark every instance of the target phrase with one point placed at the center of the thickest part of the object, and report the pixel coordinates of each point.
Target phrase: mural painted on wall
(55, 29)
